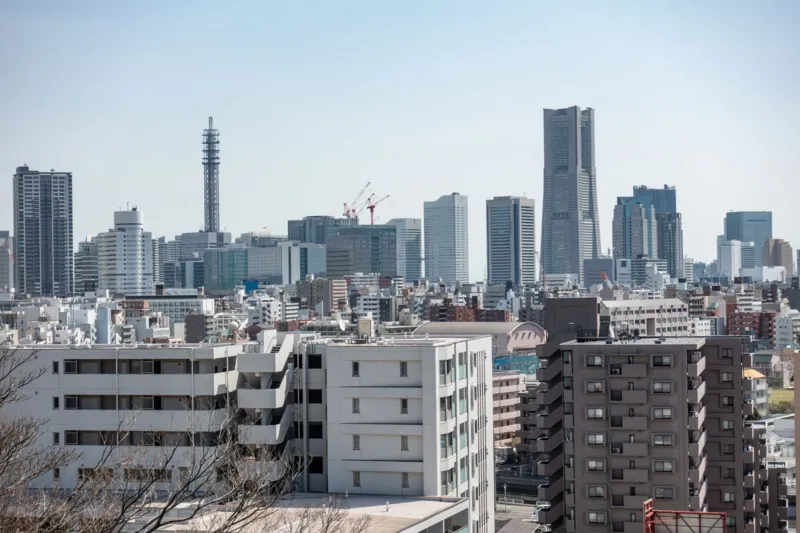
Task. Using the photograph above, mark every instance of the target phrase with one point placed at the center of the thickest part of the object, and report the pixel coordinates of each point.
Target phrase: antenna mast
(211, 177)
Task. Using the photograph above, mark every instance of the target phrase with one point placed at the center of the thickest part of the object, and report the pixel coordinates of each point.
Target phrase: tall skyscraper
(366, 249)
(670, 242)
(211, 177)
(315, 228)
(6, 262)
(777, 252)
(43, 232)
(729, 260)
(511, 240)
(663, 200)
(446, 239)
(749, 226)
(125, 265)
(570, 219)
(87, 266)
(634, 229)
(409, 247)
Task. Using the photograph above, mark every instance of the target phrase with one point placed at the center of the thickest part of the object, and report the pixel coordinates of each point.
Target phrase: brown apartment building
(618, 423)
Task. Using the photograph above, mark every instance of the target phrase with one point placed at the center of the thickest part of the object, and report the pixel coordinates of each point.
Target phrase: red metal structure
(371, 206)
(661, 521)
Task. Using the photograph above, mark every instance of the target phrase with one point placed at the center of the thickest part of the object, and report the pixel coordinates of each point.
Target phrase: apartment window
(56, 437)
(597, 517)
(727, 400)
(56, 473)
(594, 386)
(728, 473)
(356, 442)
(595, 413)
(356, 405)
(662, 413)
(568, 383)
(597, 465)
(726, 377)
(55, 402)
(727, 353)
(594, 360)
(148, 403)
(71, 366)
(664, 466)
(727, 425)
(314, 395)
(315, 430)
(147, 366)
(70, 402)
(662, 387)
(71, 437)
(356, 479)
(662, 360)
(730, 521)
(596, 439)
(403, 369)
(729, 497)
(404, 406)
(597, 491)
(728, 449)
(314, 361)
(662, 440)
(404, 480)
(664, 493)
(404, 443)
(55, 367)
(355, 369)
(567, 354)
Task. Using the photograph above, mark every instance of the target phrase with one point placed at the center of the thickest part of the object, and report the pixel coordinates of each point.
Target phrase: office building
(125, 256)
(285, 262)
(669, 229)
(87, 266)
(225, 268)
(729, 259)
(315, 229)
(446, 239)
(641, 265)
(6, 262)
(192, 245)
(355, 249)
(749, 226)
(597, 271)
(43, 233)
(409, 248)
(184, 274)
(511, 240)
(749, 254)
(570, 218)
(634, 229)
(323, 295)
(402, 418)
(664, 418)
(663, 200)
(778, 253)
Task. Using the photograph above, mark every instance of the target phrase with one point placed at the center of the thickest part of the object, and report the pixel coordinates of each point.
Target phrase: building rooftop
(661, 302)
(752, 373)
(646, 341)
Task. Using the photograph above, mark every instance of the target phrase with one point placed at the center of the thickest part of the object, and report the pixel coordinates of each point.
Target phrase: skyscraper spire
(211, 177)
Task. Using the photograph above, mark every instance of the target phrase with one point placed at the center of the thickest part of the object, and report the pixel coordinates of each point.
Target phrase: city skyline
(427, 136)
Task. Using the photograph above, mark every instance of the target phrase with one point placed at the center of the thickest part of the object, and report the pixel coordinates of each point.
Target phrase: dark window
(55, 367)
(298, 396)
(298, 361)
(56, 437)
(314, 361)
(315, 430)
(71, 366)
(315, 466)
(314, 395)
(55, 402)
(616, 395)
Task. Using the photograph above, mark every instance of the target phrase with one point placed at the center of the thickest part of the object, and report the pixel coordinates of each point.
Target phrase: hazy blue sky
(423, 98)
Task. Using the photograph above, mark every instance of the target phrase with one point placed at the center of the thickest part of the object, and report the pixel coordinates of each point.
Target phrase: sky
(422, 98)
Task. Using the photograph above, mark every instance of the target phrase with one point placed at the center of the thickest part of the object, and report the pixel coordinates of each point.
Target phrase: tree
(220, 487)
(782, 408)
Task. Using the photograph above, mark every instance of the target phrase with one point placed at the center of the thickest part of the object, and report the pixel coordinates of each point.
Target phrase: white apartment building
(446, 231)
(668, 317)
(787, 329)
(125, 264)
(506, 390)
(263, 310)
(396, 417)
(177, 307)
(729, 258)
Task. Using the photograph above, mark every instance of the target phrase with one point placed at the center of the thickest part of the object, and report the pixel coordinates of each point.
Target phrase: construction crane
(356, 211)
(350, 209)
(372, 205)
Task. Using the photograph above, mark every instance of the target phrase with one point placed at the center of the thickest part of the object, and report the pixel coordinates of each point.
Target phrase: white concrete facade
(446, 239)
(125, 264)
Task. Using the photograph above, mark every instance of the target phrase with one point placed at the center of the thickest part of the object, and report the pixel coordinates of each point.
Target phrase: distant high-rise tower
(511, 240)
(749, 226)
(125, 265)
(87, 266)
(446, 232)
(663, 200)
(43, 232)
(211, 177)
(409, 247)
(634, 229)
(570, 220)
(670, 242)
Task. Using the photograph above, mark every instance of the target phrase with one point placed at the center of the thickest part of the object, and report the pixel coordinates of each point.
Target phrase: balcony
(749, 408)
(696, 446)
(698, 470)
(763, 520)
(750, 480)
(548, 370)
(696, 419)
(749, 433)
(265, 363)
(633, 370)
(750, 504)
(549, 441)
(781, 512)
(763, 496)
(547, 418)
(697, 367)
(551, 514)
(272, 396)
(548, 492)
(629, 396)
(697, 497)
(547, 466)
(629, 449)
(546, 397)
(271, 433)
(749, 457)
(628, 422)
(696, 395)
(629, 475)
(750, 527)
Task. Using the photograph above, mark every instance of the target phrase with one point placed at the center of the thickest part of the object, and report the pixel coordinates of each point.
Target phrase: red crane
(349, 209)
(372, 205)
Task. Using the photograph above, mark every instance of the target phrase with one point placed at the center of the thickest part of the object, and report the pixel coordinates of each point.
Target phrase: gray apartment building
(614, 423)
